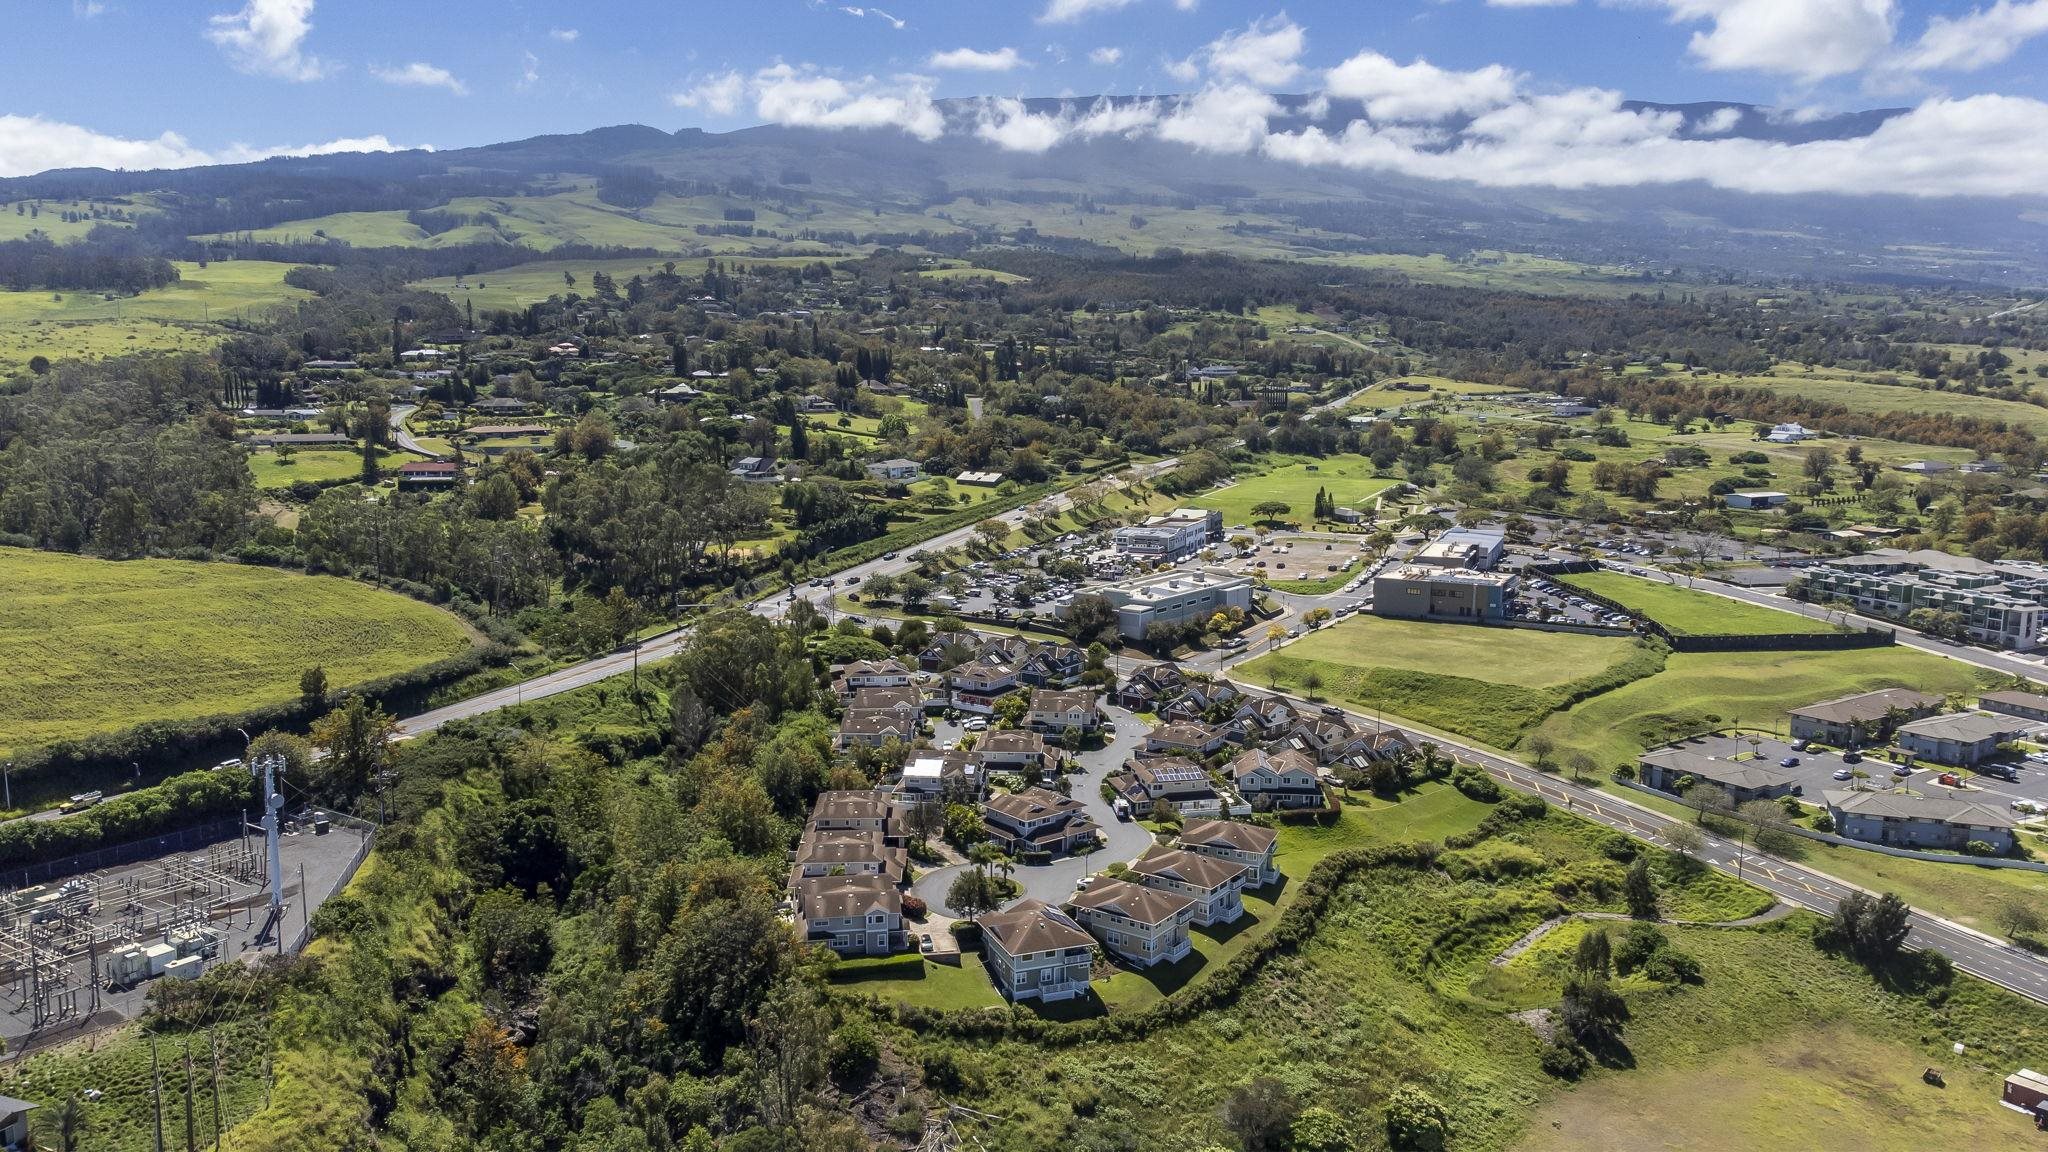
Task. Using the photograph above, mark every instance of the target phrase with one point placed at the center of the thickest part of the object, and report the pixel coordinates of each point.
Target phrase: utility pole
(191, 1127)
(156, 1094)
(213, 1049)
(273, 805)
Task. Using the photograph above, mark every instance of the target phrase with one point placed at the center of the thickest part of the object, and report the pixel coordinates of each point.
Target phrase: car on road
(1789, 762)
(1843, 774)
(1294, 633)
(977, 724)
(1333, 710)
(81, 802)
(888, 555)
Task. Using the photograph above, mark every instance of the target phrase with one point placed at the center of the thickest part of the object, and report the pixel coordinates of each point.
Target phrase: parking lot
(1818, 772)
(1565, 605)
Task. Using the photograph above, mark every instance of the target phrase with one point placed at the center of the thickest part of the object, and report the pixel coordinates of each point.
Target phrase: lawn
(1699, 691)
(1862, 394)
(1515, 676)
(316, 464)
(1689, 613)
(1349, 480)
(185, 316)
(916, 980)
(95, 645)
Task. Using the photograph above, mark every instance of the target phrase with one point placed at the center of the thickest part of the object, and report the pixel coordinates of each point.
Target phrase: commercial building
(1413, 592)
(1669, 769)
(1166, 598)
(1175, 536)
(1853, 721)
(1478, 548)
(1959, 738)
(1902, 820)
(1755, 499)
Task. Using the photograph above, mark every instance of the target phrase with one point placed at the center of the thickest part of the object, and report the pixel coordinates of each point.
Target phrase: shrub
(1318, 1129)
(1564, 1059)
(1415, 1121)
(854, 1052)
(1823, 822)
(1638, 943)
(914, 906)
(1475, 784)
(943, 1071)
(1978, 848)
(1671, 966)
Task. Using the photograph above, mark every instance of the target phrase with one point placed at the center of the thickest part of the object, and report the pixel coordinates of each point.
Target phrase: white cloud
(1719, 122)
(529, 69)
(1107, 57)
(1265, 52)
(1230, 118)
(1068, 11)
(565, 35)
(809, 97)
(975, 60)
(877, 13)
(87, 9)
(721, 95)
(1984, 37)
(1807, 39)
(267, 37)
(31, 144)
(1419, 91)
(420, 74)
(1186, 71)
(1007, 124)
(1530, 3)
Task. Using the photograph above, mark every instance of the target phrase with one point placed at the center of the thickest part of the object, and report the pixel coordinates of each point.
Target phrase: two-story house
(1199, 698)
(1146, 784)
(1019, 750)
(1052, 666)
(1284, 779)
(1246, 845)
(1144, 688)
(852, 811)
(1185, 738)
(1057, 713)
(1144, 926)
(853, 853)
(1267, 717)
(852, 915)
(944, 650)
(1037, 821)
(1214, 884)
(1034, 951)
(977, 685)
(955, 777)
(891, 673)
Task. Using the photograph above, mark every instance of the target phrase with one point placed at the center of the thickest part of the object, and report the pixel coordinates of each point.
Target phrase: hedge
(178, 802)
(216, 737)
(1296, 927)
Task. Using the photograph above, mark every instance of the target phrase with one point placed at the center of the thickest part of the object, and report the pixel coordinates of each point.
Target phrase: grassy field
(117, 1065)
(1699, 691)
(316, 464)
(184, 316)
(94, 645)
(1349, 480)
(1689, 613)
(49, 218)
(1630, 697)
(1858, 393)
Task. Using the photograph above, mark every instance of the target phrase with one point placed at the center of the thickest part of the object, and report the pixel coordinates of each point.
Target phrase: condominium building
(1997, 608)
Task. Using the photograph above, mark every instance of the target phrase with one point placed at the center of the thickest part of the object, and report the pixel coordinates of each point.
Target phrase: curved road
(403, 438)
(1123, 840)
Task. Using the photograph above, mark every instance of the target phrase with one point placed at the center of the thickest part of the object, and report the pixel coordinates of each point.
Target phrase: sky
(1500, 92)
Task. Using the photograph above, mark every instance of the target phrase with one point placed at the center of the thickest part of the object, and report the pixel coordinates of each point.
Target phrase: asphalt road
(667, 644)
(403, 438)
(1123, 840)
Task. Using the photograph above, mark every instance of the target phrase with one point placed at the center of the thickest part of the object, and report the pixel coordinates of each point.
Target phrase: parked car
(1902, 771)
(978, 724)
(1789, 762)
(1844, 774)
(924, 943)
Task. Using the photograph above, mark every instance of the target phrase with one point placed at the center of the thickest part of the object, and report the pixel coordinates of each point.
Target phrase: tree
(1271, 510)
(1703, 798)
(1594, 955)
(1592, 1011)
(788, 1040)
(1416, 1122)
(1768, 824)
(994, 533)
(1261, 1114)
(1317, 617)
(2017, 918)
(1541, 748)
(1873, 929)
(1311, 680)
(313, 685)
(1685, 839)
(1580, 765)
(355, 737)
(1274, 635)
(1640, 890)
(974, 892)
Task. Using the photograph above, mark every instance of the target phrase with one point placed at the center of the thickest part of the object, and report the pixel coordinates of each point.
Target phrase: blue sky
(148, 83)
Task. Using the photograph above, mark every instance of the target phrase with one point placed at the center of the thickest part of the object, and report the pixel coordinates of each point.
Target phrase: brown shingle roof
(1234, 834)
(1206, 872)
(1864, 707)
(1032, 804)
(838, 897)
(1131, 901)
(1034, 926)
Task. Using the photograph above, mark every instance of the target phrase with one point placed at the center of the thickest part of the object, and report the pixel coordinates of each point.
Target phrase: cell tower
(273, 807)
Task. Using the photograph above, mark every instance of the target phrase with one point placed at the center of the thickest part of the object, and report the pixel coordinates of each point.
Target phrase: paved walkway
(1774, 912)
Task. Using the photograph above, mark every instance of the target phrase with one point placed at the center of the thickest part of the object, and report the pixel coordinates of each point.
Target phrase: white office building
(1166, 598)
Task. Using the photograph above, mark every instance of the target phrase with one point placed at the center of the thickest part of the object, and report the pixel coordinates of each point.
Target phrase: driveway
(1123, 840)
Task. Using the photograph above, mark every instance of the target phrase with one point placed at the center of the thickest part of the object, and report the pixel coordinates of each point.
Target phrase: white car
(976, 725)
